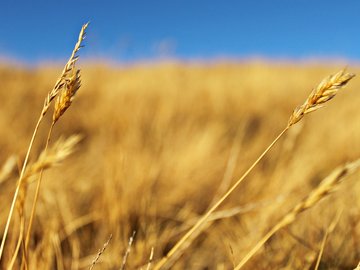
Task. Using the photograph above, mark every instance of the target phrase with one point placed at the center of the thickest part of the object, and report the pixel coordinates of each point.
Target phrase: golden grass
(325, 187)
(161, 143)
(70, 80)
(48, 158)
(325, 91)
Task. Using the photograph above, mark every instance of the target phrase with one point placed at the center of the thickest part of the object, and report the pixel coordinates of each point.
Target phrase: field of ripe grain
(161, 143)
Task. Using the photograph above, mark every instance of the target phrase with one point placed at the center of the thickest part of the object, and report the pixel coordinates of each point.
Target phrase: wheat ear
(71, 84)
(325, 188)
(53, 156)
(325, 91)
(49, 98)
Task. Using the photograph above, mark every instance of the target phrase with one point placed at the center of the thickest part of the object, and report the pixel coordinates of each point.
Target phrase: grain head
(66, 96)
(68, 71)
(326, 90)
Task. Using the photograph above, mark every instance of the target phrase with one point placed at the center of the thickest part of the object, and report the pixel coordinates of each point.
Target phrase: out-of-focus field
(162, 142)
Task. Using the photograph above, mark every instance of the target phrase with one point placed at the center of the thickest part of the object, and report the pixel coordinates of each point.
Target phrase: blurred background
(178, 98)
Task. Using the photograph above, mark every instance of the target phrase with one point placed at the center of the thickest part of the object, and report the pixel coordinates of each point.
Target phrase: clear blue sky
(33, 31)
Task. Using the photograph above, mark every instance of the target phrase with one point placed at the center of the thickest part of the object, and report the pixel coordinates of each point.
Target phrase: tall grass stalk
(60, 83)
(325, 91)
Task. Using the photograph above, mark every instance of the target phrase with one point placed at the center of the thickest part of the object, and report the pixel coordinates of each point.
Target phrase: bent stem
(204, 218)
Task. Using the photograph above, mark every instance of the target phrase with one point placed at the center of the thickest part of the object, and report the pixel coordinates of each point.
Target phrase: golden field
(161, 143)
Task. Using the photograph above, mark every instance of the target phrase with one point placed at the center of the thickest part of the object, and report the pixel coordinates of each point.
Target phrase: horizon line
(106, 60)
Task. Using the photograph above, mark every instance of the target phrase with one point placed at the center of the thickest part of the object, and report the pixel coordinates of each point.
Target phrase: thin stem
(259, 245)
(13, 259)
(329, 230)
(16, 194)
(204, 218)
(321, 250)
(36, 196)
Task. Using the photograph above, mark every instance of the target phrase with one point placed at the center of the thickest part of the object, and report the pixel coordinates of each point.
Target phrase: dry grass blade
(101, 251)
(18, 245)
(148, 267)
(325, 187)
(326, 90)
(58, 252)
(126, 255)
(329, 230)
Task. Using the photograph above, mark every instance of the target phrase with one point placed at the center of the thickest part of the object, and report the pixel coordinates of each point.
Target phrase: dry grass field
(160, 145)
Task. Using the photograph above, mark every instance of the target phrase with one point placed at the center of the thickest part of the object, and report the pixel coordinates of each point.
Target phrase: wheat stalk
(100, 252)
(128, 250)
(49, 98)
(325, 91)
(70, 85)
(329, 184)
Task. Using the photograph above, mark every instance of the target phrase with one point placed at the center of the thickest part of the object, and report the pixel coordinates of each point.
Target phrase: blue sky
(36, 31)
